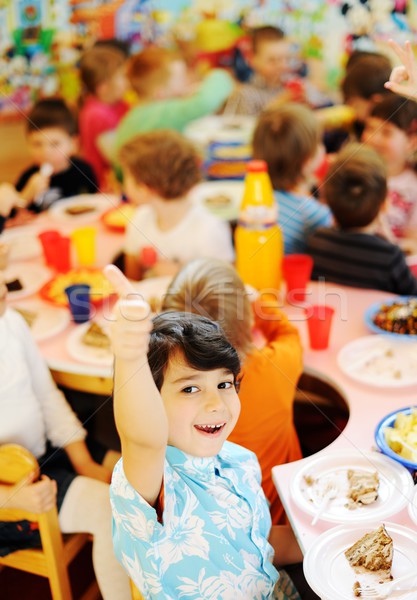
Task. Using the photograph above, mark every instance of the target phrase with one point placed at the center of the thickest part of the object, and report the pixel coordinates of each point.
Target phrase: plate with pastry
(90, 343)
(380, 361)
(349, 558)
(44, 321)
(368, 486)
(116, 219)
(83, 208)
(222, 198)
(394, 318)
(24, 279)
(100, 287)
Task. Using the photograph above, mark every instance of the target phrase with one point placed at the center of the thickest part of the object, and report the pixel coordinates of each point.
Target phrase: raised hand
(132, 323)
(403, 79)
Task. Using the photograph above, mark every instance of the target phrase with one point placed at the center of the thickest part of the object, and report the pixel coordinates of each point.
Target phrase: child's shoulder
(232, 452)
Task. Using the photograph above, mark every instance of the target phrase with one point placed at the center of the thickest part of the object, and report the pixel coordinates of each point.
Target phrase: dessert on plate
(371, 555)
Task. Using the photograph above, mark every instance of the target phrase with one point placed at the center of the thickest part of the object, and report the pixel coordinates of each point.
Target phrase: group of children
(190, 516)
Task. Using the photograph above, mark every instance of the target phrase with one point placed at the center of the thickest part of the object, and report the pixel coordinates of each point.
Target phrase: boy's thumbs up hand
(132, 323)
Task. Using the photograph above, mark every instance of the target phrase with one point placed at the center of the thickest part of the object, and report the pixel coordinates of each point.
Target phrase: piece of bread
(372, 553)
(95, 336)
(79, 209)
(363, 486)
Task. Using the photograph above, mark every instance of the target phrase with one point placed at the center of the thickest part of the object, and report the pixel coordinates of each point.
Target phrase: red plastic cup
(49, 240)
(319, 320)
(297, 269)
(62, 261)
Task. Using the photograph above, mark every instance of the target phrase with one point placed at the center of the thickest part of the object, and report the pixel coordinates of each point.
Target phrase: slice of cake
(95, 336)
(372, 554)
(363, 487)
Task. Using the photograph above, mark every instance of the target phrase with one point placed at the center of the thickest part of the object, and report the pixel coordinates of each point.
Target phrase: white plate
(99, 202)
(31, 276)
(210, 189)
(412, 506)
(328, 572)
(23, 242)
(88, 354)
(380, 361)
(395, 485)
(49, 321)
(220, 128)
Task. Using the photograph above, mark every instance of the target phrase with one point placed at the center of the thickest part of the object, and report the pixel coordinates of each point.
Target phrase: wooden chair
(57, 551)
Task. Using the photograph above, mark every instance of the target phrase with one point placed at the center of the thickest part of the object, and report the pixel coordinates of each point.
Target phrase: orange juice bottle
(258, 238)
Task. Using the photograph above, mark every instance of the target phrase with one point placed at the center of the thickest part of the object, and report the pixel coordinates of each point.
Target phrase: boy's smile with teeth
(210, 429)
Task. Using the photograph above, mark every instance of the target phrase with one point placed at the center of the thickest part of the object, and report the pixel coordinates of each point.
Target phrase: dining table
(367, 401)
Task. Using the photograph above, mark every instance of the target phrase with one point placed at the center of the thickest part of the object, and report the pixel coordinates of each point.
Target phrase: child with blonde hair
(189, 515)
(166, 98)
(391, 129)
(103, 75)
(270, 369)
(160, 168)
(288, 138)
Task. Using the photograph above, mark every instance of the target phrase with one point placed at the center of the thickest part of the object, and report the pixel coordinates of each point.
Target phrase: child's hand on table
(132, 323)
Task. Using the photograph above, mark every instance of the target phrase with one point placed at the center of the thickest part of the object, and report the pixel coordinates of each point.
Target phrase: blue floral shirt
(212, 543)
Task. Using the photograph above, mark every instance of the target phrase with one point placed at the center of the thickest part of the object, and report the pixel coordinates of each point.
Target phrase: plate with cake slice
(369, 486)
(89, 343)
(43, 320)
(83, 208)
(347, 557)
(24, 279)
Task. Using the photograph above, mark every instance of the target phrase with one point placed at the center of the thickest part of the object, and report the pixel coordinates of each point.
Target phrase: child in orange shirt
(213, 289)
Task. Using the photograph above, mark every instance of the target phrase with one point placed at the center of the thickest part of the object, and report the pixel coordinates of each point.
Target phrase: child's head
(288, 138)
(391, 129)
(356, 186)
(51, 130)
(212, 288)
(161, 162)
(158, 73)
(363, 85)
(270, 54)
(103, 73)
(195, 368)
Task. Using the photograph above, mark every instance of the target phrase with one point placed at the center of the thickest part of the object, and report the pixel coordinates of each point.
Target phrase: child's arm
(287, 550)
(36, 185)
(403, 79)
(83, 462)
(139, 412)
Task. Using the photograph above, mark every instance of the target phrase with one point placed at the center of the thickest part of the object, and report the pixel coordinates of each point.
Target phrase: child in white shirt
(160, 168)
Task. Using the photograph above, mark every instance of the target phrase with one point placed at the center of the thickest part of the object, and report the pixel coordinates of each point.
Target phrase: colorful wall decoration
(41, 40)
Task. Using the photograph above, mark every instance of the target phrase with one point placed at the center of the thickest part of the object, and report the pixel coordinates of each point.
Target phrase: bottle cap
(257, 166)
